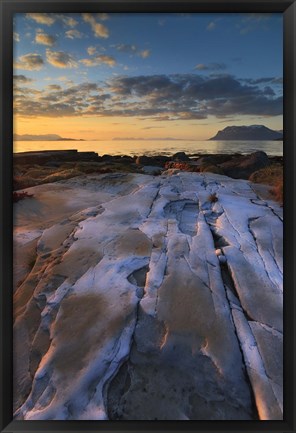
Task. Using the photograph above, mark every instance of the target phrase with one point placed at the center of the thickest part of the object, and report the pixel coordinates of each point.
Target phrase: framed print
(147, 216)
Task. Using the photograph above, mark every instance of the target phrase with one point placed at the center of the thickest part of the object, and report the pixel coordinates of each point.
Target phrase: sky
(129, 75)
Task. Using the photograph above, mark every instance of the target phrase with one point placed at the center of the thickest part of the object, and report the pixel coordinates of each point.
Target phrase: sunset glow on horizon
(146, 76)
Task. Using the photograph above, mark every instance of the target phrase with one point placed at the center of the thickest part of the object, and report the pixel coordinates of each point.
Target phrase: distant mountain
(252, 132)
(46, 137)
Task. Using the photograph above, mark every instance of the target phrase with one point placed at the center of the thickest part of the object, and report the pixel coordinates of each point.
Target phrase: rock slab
(146, 299)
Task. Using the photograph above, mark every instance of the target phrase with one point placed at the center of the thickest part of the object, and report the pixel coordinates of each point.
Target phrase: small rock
(180, 156)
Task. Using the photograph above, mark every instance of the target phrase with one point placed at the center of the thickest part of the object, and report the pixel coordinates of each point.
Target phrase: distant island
(149, 139)
(46, 137)
(252, 132)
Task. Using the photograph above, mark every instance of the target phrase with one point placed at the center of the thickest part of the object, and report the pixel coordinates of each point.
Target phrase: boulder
(241, 167)
(143, 160)
(106, 157)
(180, 156)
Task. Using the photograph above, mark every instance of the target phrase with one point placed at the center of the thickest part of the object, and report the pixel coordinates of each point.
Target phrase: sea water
(150, 147)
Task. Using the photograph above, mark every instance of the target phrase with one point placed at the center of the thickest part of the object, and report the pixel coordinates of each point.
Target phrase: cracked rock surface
(141, 297)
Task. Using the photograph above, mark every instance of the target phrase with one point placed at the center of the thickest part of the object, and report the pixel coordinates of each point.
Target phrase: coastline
(33, 168)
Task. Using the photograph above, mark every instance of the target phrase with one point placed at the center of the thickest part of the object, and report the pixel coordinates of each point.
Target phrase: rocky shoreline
(34, 168)
(147, 296)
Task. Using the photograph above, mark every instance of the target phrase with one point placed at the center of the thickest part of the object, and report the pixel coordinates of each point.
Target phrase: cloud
(157, 97)
(68, 21)
(66, 81)
(144, 54)
(16, 37)
(210, 67)
(99, 60)
(54, 87)
(42, 18)
(60, 59)
(153, 127)
(100, 31)
(257, 17)
(126, 48)
(29, 62)
(189, 96)
(45, 39)
(132, 49)
(91, 50)
(103, 16)
(268, 91)
(73, 34)
(253, 21)
(263, 80)
(55, 101)
(211, 26)
(278, 80)
(22, 79)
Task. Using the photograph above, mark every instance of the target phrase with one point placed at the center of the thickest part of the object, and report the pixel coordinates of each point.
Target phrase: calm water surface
(145, 147)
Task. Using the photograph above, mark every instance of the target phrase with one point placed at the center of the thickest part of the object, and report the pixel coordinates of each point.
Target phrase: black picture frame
(7, 9)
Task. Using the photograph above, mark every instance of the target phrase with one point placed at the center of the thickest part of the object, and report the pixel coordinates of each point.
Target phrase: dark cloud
(158, 97)
(278, 80)
(126, 48)
(54, 87)
(153, 127)
(22, 79)
(132, 49)
(268, 91)
(29, 62)
(257, 80)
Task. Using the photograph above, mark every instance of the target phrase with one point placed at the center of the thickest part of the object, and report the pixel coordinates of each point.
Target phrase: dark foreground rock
(53, 156)
(33, 168)
(241, 167)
